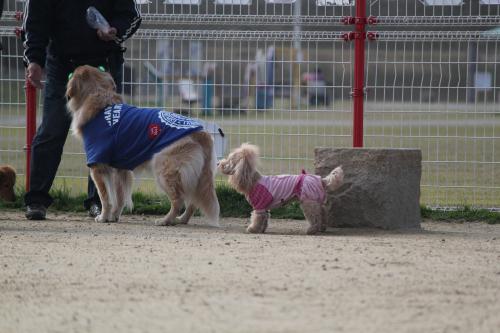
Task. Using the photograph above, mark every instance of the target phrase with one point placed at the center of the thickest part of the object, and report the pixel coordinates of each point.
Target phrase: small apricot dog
(120, 138)
(267, 192)
(7, 182)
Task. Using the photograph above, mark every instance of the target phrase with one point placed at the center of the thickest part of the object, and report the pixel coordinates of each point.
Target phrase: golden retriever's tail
(119, 188)
(129, 180)
(205, 197)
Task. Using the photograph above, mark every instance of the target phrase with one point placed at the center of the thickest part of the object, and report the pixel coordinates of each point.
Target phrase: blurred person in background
(57, 39)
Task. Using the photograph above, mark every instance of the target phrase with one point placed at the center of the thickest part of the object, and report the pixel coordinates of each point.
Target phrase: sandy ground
(69, 274)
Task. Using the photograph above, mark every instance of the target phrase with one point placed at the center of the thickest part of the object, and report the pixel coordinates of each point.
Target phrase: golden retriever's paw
(180, 221)
(162, 222)
(103, 219)
(114, 218)
(213, 223)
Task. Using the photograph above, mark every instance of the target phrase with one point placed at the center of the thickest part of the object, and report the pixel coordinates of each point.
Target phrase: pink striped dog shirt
(273, 191)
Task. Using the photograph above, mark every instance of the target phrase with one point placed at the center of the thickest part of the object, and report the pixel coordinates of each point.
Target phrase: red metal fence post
(30, 127)
(30, 115)
(359, 73)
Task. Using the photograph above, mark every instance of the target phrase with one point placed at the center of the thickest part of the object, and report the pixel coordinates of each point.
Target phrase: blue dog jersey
(125, 136)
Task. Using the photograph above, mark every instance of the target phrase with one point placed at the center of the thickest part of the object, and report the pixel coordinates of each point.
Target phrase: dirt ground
(69, 274)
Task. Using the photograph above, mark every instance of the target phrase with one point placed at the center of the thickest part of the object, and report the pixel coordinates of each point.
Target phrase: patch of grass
(150, 204)
(19, 203)
(233, 204)
(464, 213)
(64, 201)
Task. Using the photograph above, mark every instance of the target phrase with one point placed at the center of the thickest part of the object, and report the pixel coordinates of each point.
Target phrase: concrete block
(381, 187)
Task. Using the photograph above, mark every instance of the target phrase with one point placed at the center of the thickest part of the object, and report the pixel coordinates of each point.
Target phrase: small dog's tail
(334, 179)
(119, 187)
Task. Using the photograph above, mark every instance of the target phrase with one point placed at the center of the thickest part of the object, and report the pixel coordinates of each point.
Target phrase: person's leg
(116, 70)
(47, 146)
(92, 203)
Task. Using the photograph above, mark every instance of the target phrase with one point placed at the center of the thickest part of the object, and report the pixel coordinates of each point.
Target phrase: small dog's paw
(264, 227)
(312, 230)
(255, 229)
(251, 230)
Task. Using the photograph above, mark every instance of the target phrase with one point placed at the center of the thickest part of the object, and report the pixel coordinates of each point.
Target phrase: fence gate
(290, 75)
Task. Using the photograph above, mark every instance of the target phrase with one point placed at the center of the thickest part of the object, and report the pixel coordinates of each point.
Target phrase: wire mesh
(259, 90)
(12, 102)
(425, 94)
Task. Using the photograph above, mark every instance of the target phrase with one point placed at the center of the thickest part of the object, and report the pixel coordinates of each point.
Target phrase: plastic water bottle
(96, 20)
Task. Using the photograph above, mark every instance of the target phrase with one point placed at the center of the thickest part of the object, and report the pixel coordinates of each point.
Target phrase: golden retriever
(267, 192)
(184, 168)
(7, 182)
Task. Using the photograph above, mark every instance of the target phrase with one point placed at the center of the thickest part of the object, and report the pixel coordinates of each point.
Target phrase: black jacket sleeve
(37, 18)
(126, 19)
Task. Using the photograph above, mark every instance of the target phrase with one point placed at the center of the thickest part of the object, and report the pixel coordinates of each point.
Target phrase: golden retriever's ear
(73, 87)
(112, 81)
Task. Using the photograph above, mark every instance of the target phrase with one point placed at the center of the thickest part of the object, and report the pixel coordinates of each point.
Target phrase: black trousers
(48, 144)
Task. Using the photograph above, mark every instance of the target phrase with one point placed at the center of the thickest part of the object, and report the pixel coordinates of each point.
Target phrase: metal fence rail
(236, 35)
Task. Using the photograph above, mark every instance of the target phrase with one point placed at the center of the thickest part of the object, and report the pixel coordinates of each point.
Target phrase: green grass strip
(464, 213)
(233, 204)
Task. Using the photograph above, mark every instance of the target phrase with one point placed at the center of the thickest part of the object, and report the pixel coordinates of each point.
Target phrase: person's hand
(107, 36)
(34, 75)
